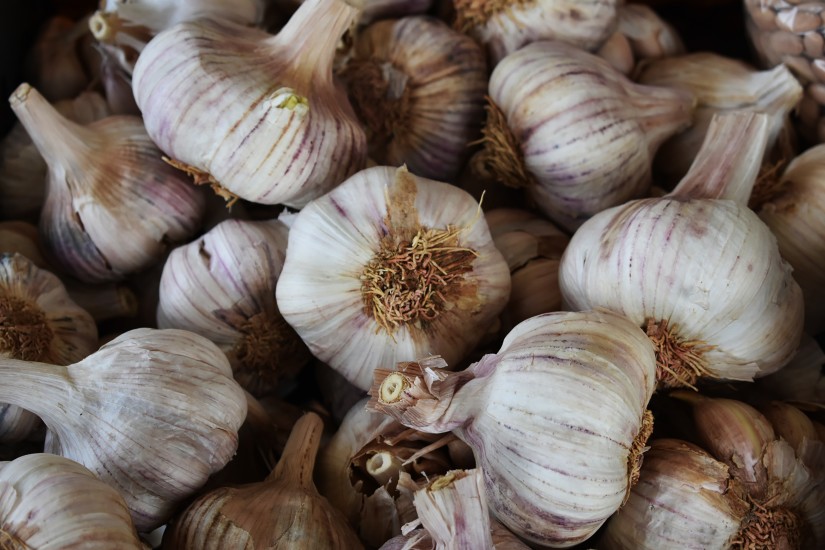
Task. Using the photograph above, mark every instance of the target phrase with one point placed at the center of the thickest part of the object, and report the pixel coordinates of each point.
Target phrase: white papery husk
(335, 237)
(555, 465)
(48, 502)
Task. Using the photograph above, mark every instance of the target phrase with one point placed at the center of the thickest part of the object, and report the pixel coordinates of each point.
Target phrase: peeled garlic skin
(49, 502)
(708, 266)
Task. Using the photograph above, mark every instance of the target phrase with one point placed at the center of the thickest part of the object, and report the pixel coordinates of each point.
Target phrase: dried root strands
(112, 205)
(574, 132)
(222, 286)
(419, 88)
(284, 512)
(505, 26)
(152, 413)
(696, 268)
(48, 502)
(257, 116)
(389, 266)
(537, 404)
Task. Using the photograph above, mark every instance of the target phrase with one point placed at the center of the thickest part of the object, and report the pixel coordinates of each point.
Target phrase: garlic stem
(384, 467)
(728, 163)
(298, 459)
(40, 388)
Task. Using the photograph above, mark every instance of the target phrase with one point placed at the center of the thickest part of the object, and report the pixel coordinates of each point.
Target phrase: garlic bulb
(555, 467)
(720, 85)
(283, 512)
(112, 205)
(50, 502)
(259, 116)
(419, 88)
(696, 268)
(794, 209)
(152, 413)
(576, 133)
(18, 237)
(222, 286)
(22, 168)
(389, 266)
(38, 322)
(505, 26)
(802, 380)
(54, 64)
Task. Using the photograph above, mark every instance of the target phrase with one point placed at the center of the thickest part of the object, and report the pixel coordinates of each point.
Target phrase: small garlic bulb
(555, 467)
(419, 88)
(283, 512)
(696, 268)
(574, 132)
(389, 266)
(112, 205)
(48, 502)
(505, 26)
(720, 85)
(152, 413)
(258, 116)
(222, 286)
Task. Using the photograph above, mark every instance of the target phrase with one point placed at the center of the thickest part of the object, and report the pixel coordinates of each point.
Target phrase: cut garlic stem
(383, 466)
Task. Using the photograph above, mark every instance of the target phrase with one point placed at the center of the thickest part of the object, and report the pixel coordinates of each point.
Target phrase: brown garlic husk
(55, 66)
(222, 286)
(802, 380)
(38, 322)
(113, 206)
(418, 86)
(505, 26)
(720, 84)
(284, 511)
(22, 168)
(576, 134)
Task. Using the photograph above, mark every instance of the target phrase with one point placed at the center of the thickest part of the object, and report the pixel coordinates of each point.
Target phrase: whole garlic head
(390, 266)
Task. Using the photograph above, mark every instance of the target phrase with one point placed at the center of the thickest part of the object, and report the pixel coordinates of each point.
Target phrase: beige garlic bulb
(222, 286)
(696, 268)
(720, 84)
(793, 206)
(555, 466)
(389, 266)
(152, 413)
(258, 116)
(284, 512)
(419, 87)
(505, 26)
(49, 503)
(22, 168)
(574, 132)
(112, 205)
(38, 322)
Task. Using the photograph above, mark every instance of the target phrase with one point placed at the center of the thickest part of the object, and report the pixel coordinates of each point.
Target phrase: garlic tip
(20, 94)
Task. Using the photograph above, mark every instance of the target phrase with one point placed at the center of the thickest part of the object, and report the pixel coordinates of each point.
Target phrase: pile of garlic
(467, 274)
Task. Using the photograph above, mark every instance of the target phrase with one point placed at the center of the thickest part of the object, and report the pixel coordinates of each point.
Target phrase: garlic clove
(257, 116)
(105, 180)
(345, 287)
(649, 36)
(49, 502)
(617, 51)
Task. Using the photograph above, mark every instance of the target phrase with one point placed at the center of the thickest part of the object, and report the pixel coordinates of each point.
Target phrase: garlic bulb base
(637, 449)
(766, 528)
(200, 177)
(8, 541)
(679, 362)
(24, 329)
(501, 156)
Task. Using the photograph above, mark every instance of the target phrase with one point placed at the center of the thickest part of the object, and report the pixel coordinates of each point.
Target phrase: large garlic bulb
(152, 413)
(390, 266)
(256, 115)
(222, 286)
(574, 132)
(419, 88)
(696, 268)
(48, 502)
(112, 205)
(555, 465)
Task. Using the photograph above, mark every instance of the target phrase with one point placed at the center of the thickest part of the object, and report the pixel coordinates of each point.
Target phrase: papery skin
(555, 464)
(202, 110)
(52, 503)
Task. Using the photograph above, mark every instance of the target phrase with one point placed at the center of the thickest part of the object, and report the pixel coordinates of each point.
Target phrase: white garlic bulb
(555, 466)
(222, 286)
(575, 133)
(696, 268)
(152, 413)
(390, 266)
(259, 116)
(48, 502)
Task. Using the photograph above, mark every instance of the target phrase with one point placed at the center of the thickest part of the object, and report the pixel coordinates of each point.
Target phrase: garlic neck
(41, 388)
(661, 112)
(728, 163)
(298, 459)
(24, 330)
